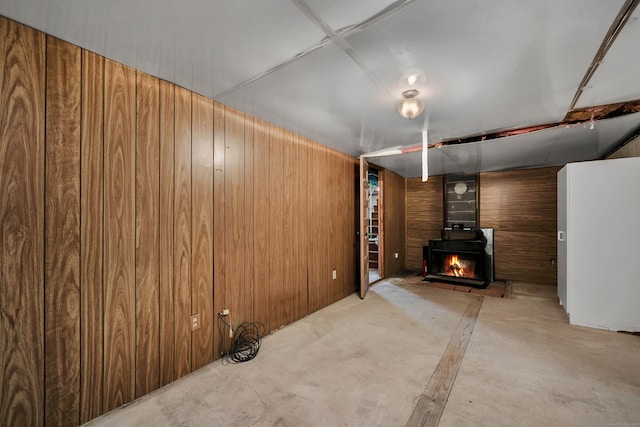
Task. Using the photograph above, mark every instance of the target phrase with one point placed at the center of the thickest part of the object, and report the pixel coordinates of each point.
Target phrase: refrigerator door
(563, 291)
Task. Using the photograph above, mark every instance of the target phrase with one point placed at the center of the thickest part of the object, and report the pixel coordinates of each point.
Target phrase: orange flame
(457, 267)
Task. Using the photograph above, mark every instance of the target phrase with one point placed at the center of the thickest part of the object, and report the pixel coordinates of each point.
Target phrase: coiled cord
(246, 342)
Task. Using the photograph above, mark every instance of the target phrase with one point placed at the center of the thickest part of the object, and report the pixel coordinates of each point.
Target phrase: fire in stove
(457, 266)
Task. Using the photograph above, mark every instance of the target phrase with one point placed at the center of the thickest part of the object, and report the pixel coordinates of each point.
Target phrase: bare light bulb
(410, 107)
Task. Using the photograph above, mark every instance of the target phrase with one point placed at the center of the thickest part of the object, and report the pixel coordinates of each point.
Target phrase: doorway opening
(376, 226)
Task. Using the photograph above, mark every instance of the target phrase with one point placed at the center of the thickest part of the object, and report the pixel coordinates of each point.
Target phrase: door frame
(363, 183)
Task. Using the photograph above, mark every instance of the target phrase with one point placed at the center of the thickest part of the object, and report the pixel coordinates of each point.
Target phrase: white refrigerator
(599, 243)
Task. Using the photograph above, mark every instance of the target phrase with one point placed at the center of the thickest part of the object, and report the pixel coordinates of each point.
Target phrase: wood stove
(461, 257)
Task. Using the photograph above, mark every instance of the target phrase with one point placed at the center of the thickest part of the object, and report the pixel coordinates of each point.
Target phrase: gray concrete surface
(365, 363)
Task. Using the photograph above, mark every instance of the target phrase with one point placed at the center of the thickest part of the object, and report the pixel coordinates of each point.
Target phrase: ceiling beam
(576, 117)
(616, 27)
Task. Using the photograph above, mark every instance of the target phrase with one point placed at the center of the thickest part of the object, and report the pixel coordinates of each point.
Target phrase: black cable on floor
(246, 342)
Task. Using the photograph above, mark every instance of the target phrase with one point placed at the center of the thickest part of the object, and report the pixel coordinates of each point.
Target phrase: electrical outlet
(335, 275)
(396, 255)
(195, 322)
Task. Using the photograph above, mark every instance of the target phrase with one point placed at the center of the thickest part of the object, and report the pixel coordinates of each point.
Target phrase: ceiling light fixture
(410, 107)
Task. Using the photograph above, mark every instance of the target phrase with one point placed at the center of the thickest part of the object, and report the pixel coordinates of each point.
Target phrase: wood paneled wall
(394, 193)
(521, 207)
(22, 225)
(129, 204)
(631, 149)
(424, 216)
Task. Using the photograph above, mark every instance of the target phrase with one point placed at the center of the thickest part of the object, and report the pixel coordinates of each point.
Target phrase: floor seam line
(432, 401)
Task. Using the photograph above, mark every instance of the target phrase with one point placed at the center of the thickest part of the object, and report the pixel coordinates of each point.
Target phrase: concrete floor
(365, 363)
(374, 275)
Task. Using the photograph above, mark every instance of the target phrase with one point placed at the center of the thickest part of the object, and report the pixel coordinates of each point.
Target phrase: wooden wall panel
(235, 214)
(335, 245)
(630, 149)
(519, 205)
(202, 237)
(344, 231)
(220, 334)
(348, 203)
(332, 250)
(351, 224)
(182, 234)
(521, 208)
(91, 236)
(261, 217)
(276, 226)
(22, 101)
(314, 227)
(301, 243)
(158, 205)
(424, 216)
(119, 237)
(62, 238)
(249, 229)
(394, 222)
(119, 257)
(290, 268)
(167, 155)
(147, 294)
(323, 227)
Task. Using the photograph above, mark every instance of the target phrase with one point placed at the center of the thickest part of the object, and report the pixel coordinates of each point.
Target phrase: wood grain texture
(325, 222)
(379, 228)
(290, 267)
(22, 148)
(167, 156)
(353, 222)
(333, 250)
(202, 237)
(521, 208)
(143, 205)
(235, 214)
(363, 182)
(182, 234)
(349, 229)
(220, 291)
(315, 249)
(276, 226)
(62, 233)
(424, 216)
(348, 206)
(261, 218)
(119, 237)
(630, 149)
(249, 226)
(147, 234)
(394, 222)
(337, 208)
(302, 244)
(91, 236)
(431, 403)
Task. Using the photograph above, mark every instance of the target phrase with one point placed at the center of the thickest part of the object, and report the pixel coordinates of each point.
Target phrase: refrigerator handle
(562, 236)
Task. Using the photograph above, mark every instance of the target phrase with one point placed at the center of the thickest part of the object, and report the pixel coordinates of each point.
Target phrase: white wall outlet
(195, 322)
(224, 312)
(396, 255)
(335, 275)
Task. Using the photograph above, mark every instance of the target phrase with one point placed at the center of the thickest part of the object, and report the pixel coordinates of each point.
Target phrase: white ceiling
(333, 70)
